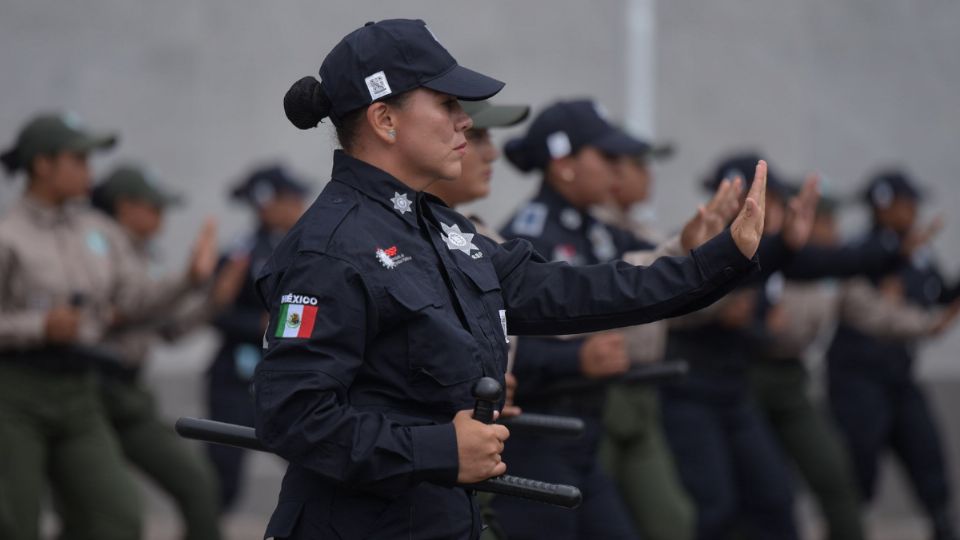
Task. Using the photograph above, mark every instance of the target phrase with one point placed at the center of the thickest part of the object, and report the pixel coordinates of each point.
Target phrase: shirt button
(337, 200)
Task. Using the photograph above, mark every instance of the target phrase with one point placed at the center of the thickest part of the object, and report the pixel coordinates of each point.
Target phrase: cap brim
(167, 200)
(500, 116)
(618, 143)
(90, 142)
(465, 84)
(660, 151)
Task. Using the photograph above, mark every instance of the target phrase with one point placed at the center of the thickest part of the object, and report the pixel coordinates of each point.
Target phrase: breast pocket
(487, 284)
(438, 347)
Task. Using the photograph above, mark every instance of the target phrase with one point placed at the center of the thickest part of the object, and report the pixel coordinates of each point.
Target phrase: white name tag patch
(377, 85)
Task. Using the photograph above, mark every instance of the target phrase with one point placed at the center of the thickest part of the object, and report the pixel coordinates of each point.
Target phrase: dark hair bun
(519, 155)
(10, 161)
(306, 103)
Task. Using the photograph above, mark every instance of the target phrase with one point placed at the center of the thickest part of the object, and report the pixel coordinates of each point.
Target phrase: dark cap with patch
(889, 184)
(265, 183)
(377, 61)
(50, 134)
(132, 181)
(565, 127)
(744, 165)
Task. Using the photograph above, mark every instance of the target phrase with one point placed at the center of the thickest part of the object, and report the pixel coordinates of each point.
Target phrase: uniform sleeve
(863, 307)
(542, 361)
(241, 321)
(18, 327)
(544, 298)
(138, 297)
(668, 248)
(875, 256)
(302, 406)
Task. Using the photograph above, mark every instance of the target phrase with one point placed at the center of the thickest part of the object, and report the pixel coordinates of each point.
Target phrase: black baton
(211, 431)
(653, 373)
(544, 424)
(487, 392)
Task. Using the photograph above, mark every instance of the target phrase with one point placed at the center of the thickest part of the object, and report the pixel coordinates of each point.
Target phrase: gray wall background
(195, 88)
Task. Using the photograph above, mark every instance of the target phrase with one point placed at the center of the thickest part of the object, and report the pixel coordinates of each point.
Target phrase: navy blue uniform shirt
(241, 324)
(882, 357)
(385, 307)
(561, 233)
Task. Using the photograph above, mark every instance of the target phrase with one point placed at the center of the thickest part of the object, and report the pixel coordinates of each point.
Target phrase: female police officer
(386, 306)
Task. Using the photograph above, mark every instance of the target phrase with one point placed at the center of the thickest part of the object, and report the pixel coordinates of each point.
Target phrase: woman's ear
(382, 120)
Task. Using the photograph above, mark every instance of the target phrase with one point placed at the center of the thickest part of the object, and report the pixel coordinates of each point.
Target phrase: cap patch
(377, 85)
(882, 195)
(601, 111)
(72, 120)
(733, 174)
(559, 145)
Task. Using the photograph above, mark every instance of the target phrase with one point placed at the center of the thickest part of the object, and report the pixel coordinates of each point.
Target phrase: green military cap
(130, 181)
(50, 134)
(487, 115)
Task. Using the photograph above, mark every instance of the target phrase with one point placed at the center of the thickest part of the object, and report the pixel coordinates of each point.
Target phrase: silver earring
(392, 133)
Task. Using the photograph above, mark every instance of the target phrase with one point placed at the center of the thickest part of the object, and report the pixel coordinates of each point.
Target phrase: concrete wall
(196, 88)
(838, 87)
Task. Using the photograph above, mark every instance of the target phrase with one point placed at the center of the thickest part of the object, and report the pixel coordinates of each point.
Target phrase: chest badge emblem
(458, 240)
(391, 257)
(401, 203)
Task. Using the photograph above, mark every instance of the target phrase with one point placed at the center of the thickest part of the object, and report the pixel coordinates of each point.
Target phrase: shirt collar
(51, 215)
(377, 184)
(570, 217)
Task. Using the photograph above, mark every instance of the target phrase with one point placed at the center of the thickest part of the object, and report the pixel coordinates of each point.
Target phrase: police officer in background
(63, 285)
(874, 395)
(634, 450)
(131, 196)
(578, 170)
(386, 306)
(277, 199)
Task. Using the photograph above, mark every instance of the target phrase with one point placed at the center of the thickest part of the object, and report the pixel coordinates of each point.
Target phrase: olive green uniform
(780, 383)
(52, 423)
(147, 442)
(634, 450)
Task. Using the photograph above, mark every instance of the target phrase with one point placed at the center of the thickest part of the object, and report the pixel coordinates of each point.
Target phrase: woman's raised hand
(747, 228)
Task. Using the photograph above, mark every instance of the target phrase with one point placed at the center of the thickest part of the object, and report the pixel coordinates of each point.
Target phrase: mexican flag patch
(297, 316)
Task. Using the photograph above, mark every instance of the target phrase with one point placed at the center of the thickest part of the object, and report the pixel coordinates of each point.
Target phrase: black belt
(59, 359)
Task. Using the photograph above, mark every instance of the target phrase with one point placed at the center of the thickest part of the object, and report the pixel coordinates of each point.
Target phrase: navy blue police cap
(565, 127)
(888, 184)
(380, 60)
(265, 183)
(744, 165)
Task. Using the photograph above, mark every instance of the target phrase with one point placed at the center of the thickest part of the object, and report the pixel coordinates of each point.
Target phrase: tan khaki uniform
(634, 450)
(52, 424)
(645, 343)
(167, 317)
(72, 255)
(811, 309)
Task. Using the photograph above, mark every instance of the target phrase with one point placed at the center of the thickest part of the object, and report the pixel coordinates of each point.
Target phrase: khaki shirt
(168, 318)
(71, 255)
(812, 308)
(863, 307)
(647, 342)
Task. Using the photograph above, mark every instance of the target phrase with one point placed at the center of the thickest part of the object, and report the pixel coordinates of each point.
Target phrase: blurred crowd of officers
(710, 456)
